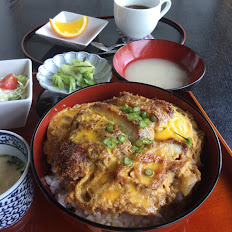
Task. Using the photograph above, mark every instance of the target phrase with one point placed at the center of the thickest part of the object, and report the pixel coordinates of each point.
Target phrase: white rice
(57, 187)
(119, 220)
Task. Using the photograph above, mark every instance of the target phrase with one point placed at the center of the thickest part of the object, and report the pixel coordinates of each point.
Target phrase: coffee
(136, 19)
(137, 7)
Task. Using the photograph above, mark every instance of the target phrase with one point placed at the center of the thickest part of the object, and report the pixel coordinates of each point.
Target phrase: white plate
(103, 70)
(95, 26)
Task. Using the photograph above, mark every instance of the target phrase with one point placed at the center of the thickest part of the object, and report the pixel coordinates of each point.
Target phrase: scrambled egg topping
(127, 154)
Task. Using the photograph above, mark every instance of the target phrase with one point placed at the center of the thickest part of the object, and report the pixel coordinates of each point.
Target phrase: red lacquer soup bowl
(182, 56)
(211, 155)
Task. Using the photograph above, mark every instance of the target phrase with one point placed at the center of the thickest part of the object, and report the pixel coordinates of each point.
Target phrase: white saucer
(95, 26)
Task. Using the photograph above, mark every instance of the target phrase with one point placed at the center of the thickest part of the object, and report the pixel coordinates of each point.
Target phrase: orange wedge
(70, 30)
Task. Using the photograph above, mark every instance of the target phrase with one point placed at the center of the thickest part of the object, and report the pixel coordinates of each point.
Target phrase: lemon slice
(70, 30)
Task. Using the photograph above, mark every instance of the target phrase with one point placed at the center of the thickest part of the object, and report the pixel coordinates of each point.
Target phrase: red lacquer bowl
(211, 156)
(181, 55)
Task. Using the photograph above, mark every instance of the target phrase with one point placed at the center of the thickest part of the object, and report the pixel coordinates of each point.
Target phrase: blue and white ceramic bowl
(103, 70)
(15, 202)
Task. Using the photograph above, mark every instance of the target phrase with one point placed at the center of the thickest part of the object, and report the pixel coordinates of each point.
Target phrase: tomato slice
(9, 82)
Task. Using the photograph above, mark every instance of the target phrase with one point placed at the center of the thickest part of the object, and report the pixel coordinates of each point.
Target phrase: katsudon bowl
(183, 208)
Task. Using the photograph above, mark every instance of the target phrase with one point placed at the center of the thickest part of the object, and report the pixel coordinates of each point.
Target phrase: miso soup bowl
(16, 201)
(187, 59)
(211, 156)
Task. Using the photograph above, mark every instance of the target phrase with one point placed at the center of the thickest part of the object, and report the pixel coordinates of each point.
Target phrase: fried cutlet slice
(160, 157)
(59, 129)
(113, 113)
(128, 189)
(161, 109)
(84, 149)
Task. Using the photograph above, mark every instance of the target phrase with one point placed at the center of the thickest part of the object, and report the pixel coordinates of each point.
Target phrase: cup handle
(166, 8)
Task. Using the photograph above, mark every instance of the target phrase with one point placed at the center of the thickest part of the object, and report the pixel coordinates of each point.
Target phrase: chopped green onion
(127, 161)
(138, 117)
(134, 148)
(137, 109)
(143, 114)
(139, 143)
(148, 172)
(110, 128)
(108, 142)
(147, 121)
(124, 108)
(142, 124)
(121, 138)
(130, 109)
(147, 141)
(111, 122)
(131, 117)
(152, 118)
(140, 150)
(188, 140)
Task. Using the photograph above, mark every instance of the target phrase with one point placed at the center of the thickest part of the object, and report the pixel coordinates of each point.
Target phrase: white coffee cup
(138, 23)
